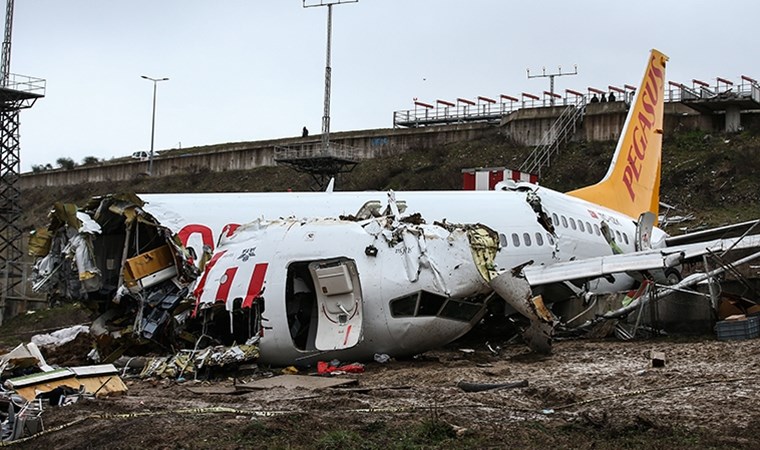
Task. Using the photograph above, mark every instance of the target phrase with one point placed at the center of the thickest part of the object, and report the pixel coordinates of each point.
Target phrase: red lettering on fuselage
(188, 230)
(637, 150)
(207, 236)
(229, 229)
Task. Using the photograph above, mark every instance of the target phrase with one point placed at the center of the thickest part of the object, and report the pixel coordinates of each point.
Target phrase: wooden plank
(104, 385)
(215, 390)
(296, 381)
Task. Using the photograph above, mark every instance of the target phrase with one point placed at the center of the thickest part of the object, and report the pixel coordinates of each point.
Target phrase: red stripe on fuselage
(256, 284)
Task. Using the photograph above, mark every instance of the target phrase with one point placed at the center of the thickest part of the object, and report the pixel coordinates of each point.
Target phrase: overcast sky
(244, 70)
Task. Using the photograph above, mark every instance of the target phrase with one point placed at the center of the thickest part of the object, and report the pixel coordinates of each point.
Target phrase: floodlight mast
(5, 65)
(328, 68)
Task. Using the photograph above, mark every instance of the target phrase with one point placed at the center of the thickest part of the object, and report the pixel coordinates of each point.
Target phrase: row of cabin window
(526, 239)
(587, 227)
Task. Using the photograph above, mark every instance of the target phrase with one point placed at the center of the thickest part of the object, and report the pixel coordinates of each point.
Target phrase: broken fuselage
(329, 288)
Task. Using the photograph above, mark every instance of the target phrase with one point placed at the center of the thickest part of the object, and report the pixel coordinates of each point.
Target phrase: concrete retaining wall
(527, 127)
(250, 155)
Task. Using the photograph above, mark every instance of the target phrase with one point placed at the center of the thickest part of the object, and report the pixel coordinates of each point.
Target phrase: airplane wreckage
(152, 292)
(297, 291)
(365, 274)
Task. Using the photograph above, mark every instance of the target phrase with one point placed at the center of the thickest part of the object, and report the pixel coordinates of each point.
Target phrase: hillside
(714, 177)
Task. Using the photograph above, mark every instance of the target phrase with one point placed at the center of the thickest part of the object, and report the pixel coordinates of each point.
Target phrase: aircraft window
(555, 219)
(430, 304)
(516, 239)
(526, 238)
(596, 230)
(404, 306)
(503, 241)
(580, 225)
(619, 238)
(459, 310)
(539, 239)
(588, 227)
(369, 209)
(373, 209)
(572, 223)
(564, 222)
(400, 204)
(549, 239)
(625, 238)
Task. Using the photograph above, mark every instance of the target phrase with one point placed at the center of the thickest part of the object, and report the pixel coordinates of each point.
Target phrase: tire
(673, 276)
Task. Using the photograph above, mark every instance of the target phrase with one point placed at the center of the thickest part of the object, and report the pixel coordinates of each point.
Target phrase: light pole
(328, 68)
(153, 121)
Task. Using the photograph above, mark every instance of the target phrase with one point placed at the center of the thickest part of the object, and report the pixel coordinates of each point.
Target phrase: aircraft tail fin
(632, 183)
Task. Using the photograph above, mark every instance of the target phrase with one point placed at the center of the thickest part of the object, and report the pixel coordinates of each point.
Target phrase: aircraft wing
(723, 232)
(661, 258)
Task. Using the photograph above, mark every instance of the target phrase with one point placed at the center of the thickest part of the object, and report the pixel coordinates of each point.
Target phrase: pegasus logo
(643, 126)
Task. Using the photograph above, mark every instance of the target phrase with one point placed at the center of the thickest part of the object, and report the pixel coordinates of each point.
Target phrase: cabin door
(644, 227)
(339, 304)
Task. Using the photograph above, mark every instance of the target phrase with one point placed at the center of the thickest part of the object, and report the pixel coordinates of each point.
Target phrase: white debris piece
(88, 224)
(60, 337)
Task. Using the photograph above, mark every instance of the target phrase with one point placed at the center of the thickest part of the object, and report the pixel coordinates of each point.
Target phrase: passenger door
(339, 304)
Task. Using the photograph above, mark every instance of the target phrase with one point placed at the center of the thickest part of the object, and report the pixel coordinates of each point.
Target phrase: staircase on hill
(559, 133)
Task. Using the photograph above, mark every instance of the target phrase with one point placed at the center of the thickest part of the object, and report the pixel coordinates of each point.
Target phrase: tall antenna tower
(17, 92)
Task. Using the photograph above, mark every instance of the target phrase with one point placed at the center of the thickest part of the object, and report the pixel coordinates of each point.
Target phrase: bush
(65, 163)
(37, 168)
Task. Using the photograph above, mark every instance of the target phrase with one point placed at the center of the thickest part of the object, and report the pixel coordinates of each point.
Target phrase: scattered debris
(59, 337)
(19, 418)
(100, 381)
(334, 368)
(738, 327)
(658, 358)
(21, 358)
(187, 362)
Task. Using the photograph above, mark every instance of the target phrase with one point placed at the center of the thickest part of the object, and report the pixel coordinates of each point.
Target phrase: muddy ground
(588, 394)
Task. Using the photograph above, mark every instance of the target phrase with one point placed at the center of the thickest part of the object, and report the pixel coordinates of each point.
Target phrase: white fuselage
(507, 212)
(201, 218)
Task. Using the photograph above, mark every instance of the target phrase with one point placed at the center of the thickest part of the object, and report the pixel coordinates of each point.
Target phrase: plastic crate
(738, 329)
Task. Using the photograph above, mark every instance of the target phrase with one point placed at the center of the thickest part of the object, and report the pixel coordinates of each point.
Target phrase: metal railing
(23, 83)
(487, 112)
(678, 92)
(482, 112)
(452, 114)
(315, 150)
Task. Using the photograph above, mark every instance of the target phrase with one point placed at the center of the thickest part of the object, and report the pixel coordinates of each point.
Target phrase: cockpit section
(428, 304)
(376, 208)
